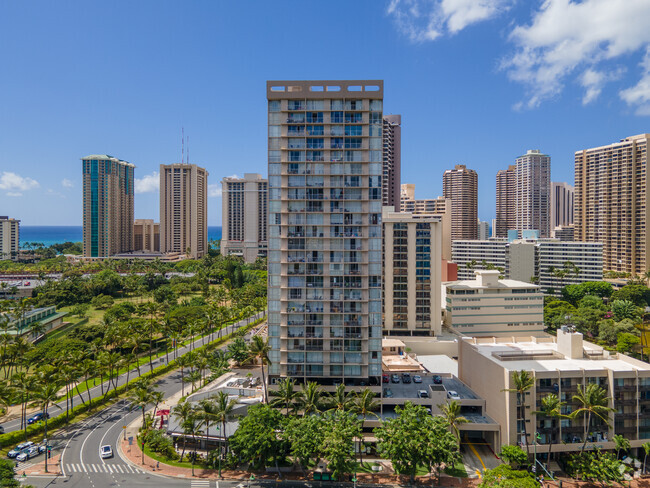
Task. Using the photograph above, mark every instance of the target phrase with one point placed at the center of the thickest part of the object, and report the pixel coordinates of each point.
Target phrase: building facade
(184, 209)
(146, 235)
(483, 230)
(244, 206)
(489, 306)
(325, 196)
(552, 263)
(461, 186)
(562, 198)
(412, 271)
(108, 203)
(9, 238)
(506, 201)
(533, 192)
(392, 170)
(559, 366)
(611, 195)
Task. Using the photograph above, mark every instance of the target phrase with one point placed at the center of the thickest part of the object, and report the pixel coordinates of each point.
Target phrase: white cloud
(14, 183)
(148, 184)
(214, 190)
(426, 20)
(566, 36)
(639, 94)
(66, 183)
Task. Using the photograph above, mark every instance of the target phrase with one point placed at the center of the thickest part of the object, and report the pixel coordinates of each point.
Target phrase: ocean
(57, 234)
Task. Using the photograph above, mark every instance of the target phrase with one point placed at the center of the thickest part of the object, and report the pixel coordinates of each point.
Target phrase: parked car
(423, 394)
(406, 378)
(437, 379)
(105, 452)
(385, 378)
(29, 453)
(2, 429)
(417, 378)
(19, 448)
(388, 393)
(37, 417)
(453, 394)
(394, 378)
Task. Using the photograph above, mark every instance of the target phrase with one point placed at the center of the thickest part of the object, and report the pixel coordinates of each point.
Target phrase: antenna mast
(182, 145)
(188, 149)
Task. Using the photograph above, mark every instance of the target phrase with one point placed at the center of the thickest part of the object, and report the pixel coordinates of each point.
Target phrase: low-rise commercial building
(559, 366)
(488, 306)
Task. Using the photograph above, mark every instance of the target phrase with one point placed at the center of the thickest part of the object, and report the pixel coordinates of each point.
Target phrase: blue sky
(477, 82)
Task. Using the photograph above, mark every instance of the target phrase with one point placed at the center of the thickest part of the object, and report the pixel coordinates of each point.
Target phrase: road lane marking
(119, 466)
(109, 468)
(83, 466)
(94, 467)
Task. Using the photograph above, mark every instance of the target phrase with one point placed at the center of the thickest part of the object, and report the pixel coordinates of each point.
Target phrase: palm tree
(451, 414)
(364, 404)
(193, 377)
(594, 402)
(310, 398)
(646, 449)
(259, 350)
(6, 395)
(286, 395)
(183, 361)
(182, 412)
(621, 444)
(192, 426)
(141, 396)
(551, 407)
(340, 400)
(224, 407)
(45, 395)
(23, 386)
(523, 382)
(207, 412)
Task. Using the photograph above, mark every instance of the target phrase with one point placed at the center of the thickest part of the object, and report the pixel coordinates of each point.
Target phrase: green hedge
(18, 436)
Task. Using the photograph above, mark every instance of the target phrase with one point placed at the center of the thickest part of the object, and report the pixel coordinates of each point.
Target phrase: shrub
(160, 443)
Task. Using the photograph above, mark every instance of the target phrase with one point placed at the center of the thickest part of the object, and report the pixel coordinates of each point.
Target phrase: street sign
(130, 441)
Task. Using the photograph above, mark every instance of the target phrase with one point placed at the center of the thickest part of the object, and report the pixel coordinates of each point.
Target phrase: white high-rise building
(324, 246)
(9, 238)
(533, 188)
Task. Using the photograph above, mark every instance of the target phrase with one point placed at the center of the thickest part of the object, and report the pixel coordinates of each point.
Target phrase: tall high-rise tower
(533, 192)
(506, 201)
(324, 258)
(461, 185)
(611, 202)
(562, 195)
(392, 170)
(9, 238)
(184, 209)
(107, 205)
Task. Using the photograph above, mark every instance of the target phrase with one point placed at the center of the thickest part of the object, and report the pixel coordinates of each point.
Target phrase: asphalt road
(79, 446)
(96, 391)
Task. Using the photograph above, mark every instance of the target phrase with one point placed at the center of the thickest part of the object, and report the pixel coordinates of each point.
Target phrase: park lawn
(458, 470)
(366, 467)
(163, 459)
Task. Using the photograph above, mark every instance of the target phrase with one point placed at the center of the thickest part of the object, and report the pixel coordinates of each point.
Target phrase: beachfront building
(9, 238)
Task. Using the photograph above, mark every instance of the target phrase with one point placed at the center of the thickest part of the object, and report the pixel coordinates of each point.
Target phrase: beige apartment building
(412, 271)
(146, 235)
(559, 366)
(611, 202)
(108, 202)
(392, 170)
(184, 209)
(506, 201)
(244, 207)
(461, 186)
(9, 238)
(325, 197)
(436, 206)
(489, 306)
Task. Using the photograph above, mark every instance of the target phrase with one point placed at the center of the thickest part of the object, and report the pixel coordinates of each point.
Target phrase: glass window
(274, 118)
(274, 105)
(315, 104)
(354, 130)
(336, 105)
(376, 105)
(336, 130)
(274, 131)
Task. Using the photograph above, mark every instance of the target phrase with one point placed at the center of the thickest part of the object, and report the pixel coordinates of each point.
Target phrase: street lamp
(47, 453)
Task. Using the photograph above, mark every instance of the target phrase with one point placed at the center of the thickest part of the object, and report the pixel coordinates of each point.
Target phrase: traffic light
(49, 452)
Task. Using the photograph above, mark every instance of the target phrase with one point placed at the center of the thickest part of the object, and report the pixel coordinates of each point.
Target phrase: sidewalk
(53, 468)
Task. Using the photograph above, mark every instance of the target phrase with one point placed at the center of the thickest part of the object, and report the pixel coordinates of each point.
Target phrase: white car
(28, 453)
(453, 394)
(105, 452)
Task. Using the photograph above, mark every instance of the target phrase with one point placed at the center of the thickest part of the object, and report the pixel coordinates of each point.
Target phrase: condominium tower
(461, 186)
(107, 205)
(562, 197)
(9, 238)
(184, 209)
(244, 206)
(611, 202)
(533, 188)
(325, 173)
(391, 173)
(506, 201)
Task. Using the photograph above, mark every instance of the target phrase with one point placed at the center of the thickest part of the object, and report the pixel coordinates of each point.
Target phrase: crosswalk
(101, 468)
(200, 484)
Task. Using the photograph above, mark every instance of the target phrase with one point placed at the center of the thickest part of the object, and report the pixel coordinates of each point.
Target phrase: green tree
(523, 382)
(183, 412)
(142, 395)
(515, 456)
(504, 476)
(256, 440)
(593, 402)
(259, 351)
(624, 309)
(340, 399)
(551, 407)
(414, 439)
(225, 407)
(286, 395)
(341, 428)
(646, 450)
(451, 413)
(621, 444)
(45, 395)
(305, 435)
(238, 350)
(637, 294)
(625, 342)
(310, 398)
